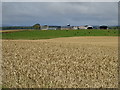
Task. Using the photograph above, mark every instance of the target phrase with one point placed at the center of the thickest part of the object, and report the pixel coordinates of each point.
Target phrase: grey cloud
(60, 0)
(60, 13)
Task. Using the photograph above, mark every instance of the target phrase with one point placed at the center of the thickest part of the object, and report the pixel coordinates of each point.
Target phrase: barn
(89, 27)
(66, 27)
(46, 27)
(103, 27)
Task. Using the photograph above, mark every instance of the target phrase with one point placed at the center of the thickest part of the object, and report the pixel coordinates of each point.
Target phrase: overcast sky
(59, 13)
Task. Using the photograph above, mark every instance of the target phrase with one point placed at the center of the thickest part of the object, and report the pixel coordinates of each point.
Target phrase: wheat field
(73, 62)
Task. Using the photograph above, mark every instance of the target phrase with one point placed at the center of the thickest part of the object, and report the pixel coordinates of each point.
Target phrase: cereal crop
(75, 62)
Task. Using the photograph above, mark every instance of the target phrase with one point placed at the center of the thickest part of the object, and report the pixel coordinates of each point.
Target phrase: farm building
(103, 27)
(85, 27)
(75, 27)
(68, 24)
(89, 27)
(54, 28)
(66, 27)
(46, 27)
(69, 27)
(82, 27)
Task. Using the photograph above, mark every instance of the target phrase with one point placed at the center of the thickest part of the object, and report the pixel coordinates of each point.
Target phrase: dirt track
(7, 31)
(78, 62)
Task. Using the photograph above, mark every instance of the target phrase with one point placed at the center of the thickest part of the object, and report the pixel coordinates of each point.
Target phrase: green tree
(37, 26)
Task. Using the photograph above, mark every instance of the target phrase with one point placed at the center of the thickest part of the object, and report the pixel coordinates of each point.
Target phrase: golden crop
(75, 62)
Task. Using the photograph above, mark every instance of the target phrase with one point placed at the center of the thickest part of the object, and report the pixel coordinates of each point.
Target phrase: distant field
(47, 34)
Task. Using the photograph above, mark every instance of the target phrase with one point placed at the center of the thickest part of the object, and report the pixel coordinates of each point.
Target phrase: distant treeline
(17, 27)
(114, 27)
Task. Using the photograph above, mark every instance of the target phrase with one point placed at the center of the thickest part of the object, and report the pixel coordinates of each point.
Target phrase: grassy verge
(47, 34)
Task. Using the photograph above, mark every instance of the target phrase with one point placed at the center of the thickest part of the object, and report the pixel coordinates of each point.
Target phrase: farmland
(48, 34)
(60, 58)
(67, 62)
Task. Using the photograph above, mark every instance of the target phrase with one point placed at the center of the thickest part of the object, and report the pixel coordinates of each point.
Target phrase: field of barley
(71, 62)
